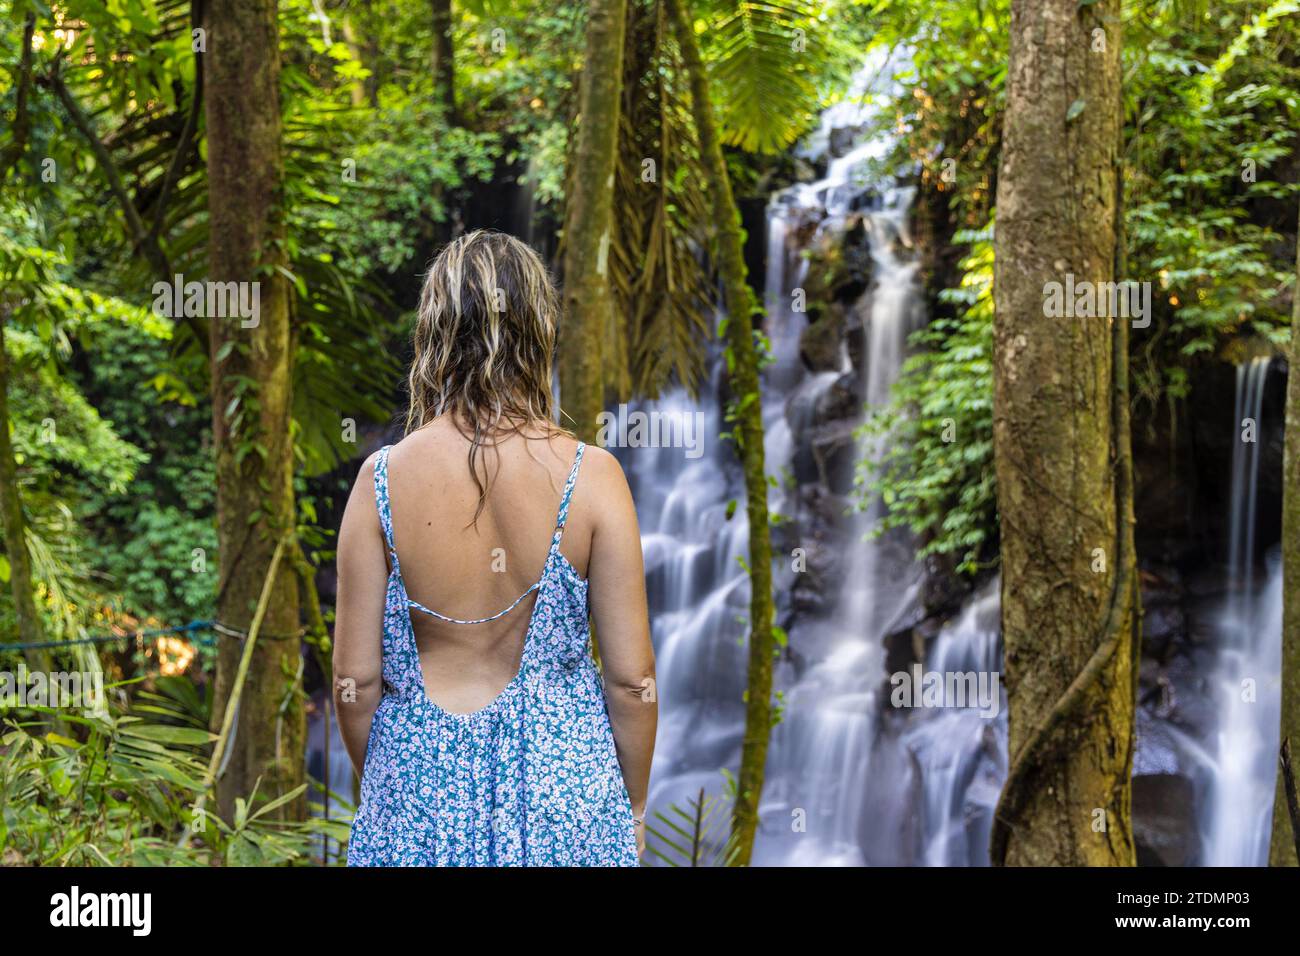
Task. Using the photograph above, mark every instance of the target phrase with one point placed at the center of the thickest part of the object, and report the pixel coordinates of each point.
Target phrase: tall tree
(1061, 448)
(13, 528)
(589, 303)
(444, 61)
(747, 422)
(251, 395)
(1283, 849)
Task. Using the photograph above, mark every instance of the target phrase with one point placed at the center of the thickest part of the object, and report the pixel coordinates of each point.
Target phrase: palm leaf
(660, 278)
(764, 59)
(685, 837)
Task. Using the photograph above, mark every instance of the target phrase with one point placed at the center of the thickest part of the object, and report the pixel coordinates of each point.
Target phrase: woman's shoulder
(601, 465)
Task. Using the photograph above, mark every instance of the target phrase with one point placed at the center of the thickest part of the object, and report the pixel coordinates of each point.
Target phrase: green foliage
(1207, 102)
(950, 98)
(662, 288)
(409, 163)
(687, 836)
(117, 788)
(67, 454)
(934, 467)
(1207, 97)
(769, 63)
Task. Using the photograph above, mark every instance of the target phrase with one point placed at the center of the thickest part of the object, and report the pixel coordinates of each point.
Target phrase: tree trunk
(444, 63)
(747, 427)
(1061, 449)
(356, 88)
(251, 398)
(14, 528)
(1283, 849)
(587, 223)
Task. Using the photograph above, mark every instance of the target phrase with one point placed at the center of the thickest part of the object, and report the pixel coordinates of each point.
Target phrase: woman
(482, 731)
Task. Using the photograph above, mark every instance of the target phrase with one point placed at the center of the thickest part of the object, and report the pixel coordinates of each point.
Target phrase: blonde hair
(484, 344)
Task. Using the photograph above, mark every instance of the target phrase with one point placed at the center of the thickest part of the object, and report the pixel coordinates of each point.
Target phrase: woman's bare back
(471, 570)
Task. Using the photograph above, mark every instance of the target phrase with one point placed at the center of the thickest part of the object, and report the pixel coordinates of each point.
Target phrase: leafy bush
(114, 787)
(935, 468)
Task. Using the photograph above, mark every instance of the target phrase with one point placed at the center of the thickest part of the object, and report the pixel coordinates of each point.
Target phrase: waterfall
(824, 769)
(852, 778)
(960, 753)
(839, 771)
(1239, 760)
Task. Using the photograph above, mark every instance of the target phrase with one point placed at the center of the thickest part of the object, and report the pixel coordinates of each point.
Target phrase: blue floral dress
(532, 779)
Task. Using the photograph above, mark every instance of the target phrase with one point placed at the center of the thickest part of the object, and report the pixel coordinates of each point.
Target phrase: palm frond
(685, 835)
(660, 277)
(763, 59)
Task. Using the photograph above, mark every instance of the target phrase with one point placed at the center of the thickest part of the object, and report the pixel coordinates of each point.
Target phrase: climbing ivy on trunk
(746, 416)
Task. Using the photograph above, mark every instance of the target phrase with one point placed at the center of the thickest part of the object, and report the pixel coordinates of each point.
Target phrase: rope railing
(143, 634)
(215, 626)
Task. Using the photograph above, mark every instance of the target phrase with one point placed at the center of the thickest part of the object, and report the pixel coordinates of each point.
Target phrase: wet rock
(1209, 580)
(820, 345)
(855, 331)
(835, 449)
(842, 400)
(943, 590)
(843, 140)
(1204, 621)
(809, 594)
(1164, 820)
(1162, 626)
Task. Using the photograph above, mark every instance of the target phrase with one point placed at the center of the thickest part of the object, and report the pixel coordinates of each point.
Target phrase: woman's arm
(359, 617)
(616, 594)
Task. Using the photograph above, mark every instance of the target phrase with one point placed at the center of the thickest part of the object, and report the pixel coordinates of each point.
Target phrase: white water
(818, 807)
(843, 775)
(1239, 760)
(960, 753)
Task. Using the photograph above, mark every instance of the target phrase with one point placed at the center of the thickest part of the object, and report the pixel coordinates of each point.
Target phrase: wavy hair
(484, 345)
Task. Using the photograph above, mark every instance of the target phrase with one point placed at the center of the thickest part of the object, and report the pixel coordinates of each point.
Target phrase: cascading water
(840, 773)
(822, 799)
(1240, 758)
(960, 753)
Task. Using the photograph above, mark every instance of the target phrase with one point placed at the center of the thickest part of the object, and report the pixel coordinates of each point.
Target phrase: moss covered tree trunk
(1283, 848)
(588, 301)
(251, 397)
(748, 430)
(13, 527)
(1061, 449)
(444, 62)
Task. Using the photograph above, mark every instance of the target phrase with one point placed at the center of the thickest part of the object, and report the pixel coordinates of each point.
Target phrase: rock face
(1164, 820)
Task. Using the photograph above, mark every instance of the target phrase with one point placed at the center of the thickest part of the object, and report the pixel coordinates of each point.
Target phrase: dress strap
(481, 620)
(381, 499)
(565, 498)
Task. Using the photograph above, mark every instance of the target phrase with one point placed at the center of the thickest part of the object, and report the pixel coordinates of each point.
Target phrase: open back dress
(532, 779)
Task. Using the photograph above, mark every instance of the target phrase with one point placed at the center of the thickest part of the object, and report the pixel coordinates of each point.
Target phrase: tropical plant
(693, 835)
